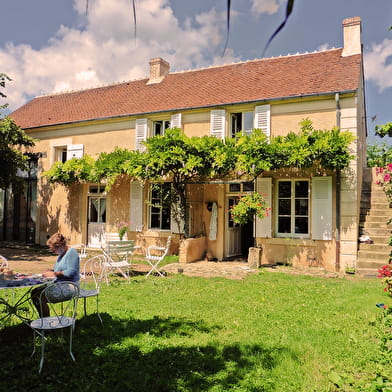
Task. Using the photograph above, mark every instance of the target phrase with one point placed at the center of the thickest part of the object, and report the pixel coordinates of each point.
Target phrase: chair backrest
(63, 292)
(92, 270)
(3, 262)
(113, 237)
(116, 250)
(167, 246)
(81, 248)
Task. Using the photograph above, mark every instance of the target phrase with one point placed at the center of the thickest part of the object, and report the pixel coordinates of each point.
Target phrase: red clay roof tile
(257, 80)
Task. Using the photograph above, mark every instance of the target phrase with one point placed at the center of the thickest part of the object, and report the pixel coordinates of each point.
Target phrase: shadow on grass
(110, 358)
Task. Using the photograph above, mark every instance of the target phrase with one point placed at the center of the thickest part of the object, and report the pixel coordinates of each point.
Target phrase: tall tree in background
(13, 141)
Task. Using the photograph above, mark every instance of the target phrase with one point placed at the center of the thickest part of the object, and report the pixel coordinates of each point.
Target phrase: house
(273, 94)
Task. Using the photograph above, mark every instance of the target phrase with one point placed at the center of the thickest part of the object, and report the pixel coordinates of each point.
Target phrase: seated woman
(65, 269)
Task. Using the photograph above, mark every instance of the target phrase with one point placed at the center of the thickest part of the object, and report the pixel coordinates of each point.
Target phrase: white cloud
(106, 51)
(266, 6)
(378, 64)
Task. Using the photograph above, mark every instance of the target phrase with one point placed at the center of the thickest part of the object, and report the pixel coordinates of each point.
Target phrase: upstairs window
(60, 154)
(67, 152)
(159, 127)
(241, 122)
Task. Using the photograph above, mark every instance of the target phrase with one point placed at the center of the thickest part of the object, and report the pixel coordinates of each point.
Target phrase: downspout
(338, 186)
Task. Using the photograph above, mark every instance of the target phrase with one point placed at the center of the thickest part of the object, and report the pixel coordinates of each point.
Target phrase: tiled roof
(256, 80)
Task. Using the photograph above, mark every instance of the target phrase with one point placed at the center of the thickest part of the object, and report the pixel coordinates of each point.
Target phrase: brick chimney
(159, 68)
(352, 36)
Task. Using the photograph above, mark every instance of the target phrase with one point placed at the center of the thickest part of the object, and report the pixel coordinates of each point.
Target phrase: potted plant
(122, 228)
(248, 207)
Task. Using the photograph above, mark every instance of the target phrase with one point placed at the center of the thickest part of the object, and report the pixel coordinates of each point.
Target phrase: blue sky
(50, 46)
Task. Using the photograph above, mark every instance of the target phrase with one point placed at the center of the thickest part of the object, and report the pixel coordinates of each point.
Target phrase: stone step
(375, 225)
(382, 220)
(377, 257)
(381, 212)
(374, 198)
(384, 231)
(367, 272)
(377, 240)
(375, 247)
(374, 204)
(370, 264)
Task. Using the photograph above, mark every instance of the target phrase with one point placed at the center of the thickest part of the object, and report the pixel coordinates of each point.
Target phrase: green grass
(270, 332)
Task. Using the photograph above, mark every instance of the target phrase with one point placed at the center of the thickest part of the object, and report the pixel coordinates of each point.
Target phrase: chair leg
(70, 341)
(99, 315)
(41, 362)
(34, 342)
(84, 306)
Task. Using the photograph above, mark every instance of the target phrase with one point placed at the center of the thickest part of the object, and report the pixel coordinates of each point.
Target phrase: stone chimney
(159, 68)
(352, 36)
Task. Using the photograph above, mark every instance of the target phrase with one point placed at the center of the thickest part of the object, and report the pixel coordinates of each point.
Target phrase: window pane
(284, 207)
(248, 186)
(301, 188)
(155, 221)
(301, 207)
(236, 119)
(284, 224)
(234, 187)
(301, 225)
(93, 210)
(284, 189)
(248, 121)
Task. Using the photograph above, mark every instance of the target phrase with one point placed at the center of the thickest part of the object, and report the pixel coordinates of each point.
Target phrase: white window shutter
(136, 206)
(218, 122)
(322, 208)
(175, 121)
(176, 224)
(263, 119)
(141, 133)
(74, 151)
(263, 227)
(247, 123)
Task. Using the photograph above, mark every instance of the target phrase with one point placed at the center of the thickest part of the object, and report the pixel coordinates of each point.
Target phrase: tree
(12, 141)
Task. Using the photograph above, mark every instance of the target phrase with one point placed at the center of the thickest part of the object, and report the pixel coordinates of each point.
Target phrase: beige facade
(67, 210)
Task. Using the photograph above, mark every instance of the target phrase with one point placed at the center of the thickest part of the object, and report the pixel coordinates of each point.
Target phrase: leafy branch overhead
(181, 159)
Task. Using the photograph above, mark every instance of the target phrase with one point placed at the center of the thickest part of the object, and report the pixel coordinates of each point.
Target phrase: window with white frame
(159, 127)
(239, 187)
(241, 122)
(66, 152)
(159, 210)
(292, 212)
(60, 154)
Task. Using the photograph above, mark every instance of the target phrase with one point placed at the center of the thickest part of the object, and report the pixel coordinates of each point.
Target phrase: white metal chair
(81, 248)
(66, 293)
(91, 276)
(3, 262)
(118, 255)
(155, 255)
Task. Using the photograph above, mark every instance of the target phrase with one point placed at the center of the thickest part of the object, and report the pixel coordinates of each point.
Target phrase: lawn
(270, 332)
